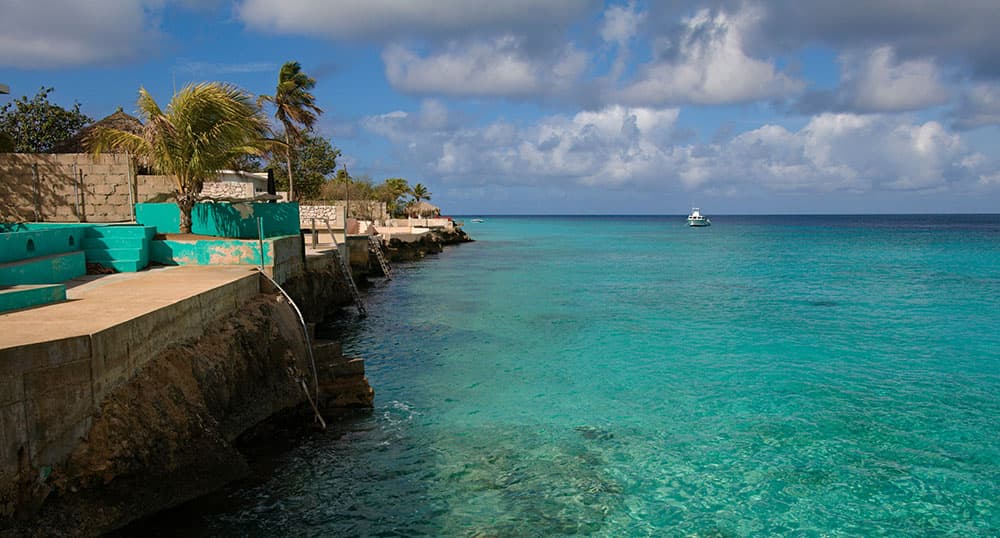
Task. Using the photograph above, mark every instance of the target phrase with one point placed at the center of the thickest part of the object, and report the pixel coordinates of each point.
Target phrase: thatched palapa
(78, 142)
(423, 209)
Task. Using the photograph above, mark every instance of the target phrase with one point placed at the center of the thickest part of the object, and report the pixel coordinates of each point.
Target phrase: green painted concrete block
(44, 270)
(18, 297)
(124, 248)
(222, 219)
(210, 252)
(121, 265)
(130, 231)
(32, 242)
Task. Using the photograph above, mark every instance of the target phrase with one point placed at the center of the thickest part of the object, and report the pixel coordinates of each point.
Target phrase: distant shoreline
(683, 214)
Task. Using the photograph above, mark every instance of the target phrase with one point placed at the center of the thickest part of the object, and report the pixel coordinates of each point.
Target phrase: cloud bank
(57, 33)
(623, 147)
(390, 20)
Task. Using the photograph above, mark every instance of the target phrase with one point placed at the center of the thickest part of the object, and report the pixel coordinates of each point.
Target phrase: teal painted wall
(46, 270)
(34, 253)
(210, 252)
(18, 298)
(221, 219)
(34, 241)
(165, 217)
(282, 255)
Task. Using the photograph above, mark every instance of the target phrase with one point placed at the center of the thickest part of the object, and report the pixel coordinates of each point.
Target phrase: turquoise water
(804, 376)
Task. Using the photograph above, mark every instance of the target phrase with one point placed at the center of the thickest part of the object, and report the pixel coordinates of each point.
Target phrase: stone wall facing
(228, 189)
(367, 210)
(335, 214)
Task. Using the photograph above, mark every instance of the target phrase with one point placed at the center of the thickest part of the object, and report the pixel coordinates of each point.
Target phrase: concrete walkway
(98, 302)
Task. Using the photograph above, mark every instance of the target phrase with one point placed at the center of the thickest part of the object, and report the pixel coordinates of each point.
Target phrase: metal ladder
(346, 270)
(345, 267)
(376, 246)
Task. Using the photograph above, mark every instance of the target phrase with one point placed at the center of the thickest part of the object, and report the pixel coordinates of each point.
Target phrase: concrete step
(122, 266)
(137, 231)
(113, 242)
(106, 254)
(123, 260)
(44, 269)
(27, 296)
(123, 248)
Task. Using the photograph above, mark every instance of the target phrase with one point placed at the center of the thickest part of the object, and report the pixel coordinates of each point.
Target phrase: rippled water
(807, 376)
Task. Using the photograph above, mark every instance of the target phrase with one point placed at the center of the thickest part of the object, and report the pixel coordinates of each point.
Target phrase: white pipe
(302, 320)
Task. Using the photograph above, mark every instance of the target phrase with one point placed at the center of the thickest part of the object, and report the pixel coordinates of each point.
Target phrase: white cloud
(388, 20)
(621, 23)
(876, 82)
(707, 64)
(490, 68)
(610, 145)
(621, 146)
(60, 33)
(849, 152)
(620, 27)
(496, 67)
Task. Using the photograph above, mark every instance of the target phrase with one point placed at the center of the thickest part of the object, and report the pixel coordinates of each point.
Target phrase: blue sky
(579, 106)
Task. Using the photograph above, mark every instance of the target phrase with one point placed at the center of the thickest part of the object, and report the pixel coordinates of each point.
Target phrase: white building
(236, 184)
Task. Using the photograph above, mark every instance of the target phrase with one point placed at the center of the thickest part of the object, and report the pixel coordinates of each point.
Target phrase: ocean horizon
(769, 375)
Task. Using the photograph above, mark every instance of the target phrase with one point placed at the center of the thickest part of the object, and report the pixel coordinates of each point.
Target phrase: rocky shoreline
(431, 243)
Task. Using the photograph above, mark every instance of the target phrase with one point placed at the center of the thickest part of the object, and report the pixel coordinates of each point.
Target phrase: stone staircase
(122, 248)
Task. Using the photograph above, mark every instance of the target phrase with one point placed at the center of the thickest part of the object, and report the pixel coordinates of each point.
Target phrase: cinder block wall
(71, 187)
(151, 188)
(74, 187)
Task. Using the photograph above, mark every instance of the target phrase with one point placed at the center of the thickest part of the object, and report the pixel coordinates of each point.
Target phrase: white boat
(477, 220)
(697, 219)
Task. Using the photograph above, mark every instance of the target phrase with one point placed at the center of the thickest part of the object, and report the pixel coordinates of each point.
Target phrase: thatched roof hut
(423, 209)
(78, 142)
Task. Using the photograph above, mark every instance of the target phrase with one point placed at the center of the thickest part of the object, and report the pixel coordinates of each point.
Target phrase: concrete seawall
(127, 399)
(58, 363)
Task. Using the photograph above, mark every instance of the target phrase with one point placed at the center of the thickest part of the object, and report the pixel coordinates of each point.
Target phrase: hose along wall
(302, 322)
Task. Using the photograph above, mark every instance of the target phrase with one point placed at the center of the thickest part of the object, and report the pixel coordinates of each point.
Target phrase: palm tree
(204, 128)
(420, 192)
(393, 189)
(295, 108)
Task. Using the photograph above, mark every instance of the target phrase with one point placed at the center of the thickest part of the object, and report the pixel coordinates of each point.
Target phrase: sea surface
(631, 376)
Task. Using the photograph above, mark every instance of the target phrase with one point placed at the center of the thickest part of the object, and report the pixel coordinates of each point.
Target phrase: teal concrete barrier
(165, 217)
(44, 269)
(19, 297)
(31, 241)
(210, 252)
(282, 255)
(223, 219)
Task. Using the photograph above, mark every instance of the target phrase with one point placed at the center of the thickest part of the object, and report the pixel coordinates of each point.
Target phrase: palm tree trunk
(288, 160)
(185, 202)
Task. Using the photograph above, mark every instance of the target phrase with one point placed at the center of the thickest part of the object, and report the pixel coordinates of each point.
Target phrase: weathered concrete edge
(49, 390)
